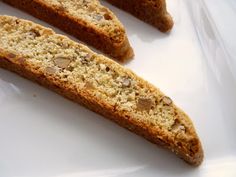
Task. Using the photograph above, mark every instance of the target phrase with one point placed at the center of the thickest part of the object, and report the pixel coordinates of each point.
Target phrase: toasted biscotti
(102, 85)
(87, 20)
(151, 11)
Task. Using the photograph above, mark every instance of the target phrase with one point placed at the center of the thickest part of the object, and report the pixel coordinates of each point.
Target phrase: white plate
(45, 135)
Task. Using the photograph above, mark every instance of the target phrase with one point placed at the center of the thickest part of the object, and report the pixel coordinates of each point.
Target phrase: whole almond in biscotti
(87, 20)
(98, 83)
(151, 11)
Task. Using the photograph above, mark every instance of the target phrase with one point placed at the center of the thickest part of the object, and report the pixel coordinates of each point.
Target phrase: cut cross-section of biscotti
(151, 11)
(87, 20)
(95, 81)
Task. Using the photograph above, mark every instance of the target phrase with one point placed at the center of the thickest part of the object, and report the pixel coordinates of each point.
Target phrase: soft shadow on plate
(90, 130)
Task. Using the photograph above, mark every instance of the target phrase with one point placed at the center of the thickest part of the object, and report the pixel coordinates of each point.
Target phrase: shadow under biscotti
(110, 146)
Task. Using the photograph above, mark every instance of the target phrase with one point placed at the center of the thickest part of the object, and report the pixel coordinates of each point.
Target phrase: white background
(45, 135)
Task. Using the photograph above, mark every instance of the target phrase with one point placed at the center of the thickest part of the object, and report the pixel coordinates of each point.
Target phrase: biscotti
(87, 20)
(153, 12)
(95, 81)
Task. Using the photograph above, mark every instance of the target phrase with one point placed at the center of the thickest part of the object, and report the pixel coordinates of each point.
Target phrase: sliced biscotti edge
(110, 39)
(192, 153)
(153, 12)
(176, 134)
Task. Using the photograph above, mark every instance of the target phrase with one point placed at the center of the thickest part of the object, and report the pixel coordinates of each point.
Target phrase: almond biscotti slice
(151, 11)
(87, 20)
(100, 84)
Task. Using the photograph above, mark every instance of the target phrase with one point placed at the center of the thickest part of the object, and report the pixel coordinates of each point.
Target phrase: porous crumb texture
(92, 12)
(151, 11)
(86, 19)
(102, 84)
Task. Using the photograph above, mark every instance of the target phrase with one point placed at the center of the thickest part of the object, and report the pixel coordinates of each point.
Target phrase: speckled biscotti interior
(153, 12)
(97, 82)
(87, 20)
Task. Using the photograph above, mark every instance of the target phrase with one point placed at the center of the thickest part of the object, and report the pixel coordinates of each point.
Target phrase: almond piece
(89, 86)
(62, 62)
(91, 8)
(85, 60)
(144, 104)
(126, 82)
(107, 16)
(103, 9)
(50, 70)
(98, 17)
(178, 127)
(167, 100)
(88, 56)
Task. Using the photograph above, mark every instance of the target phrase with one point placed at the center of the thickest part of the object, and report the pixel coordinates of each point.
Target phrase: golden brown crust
(102, 108)
(193, 154)
(180, 136)
(153, 12)
(120, 50)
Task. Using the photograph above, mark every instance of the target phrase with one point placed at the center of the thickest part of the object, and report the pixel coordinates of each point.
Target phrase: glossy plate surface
(45, 135)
